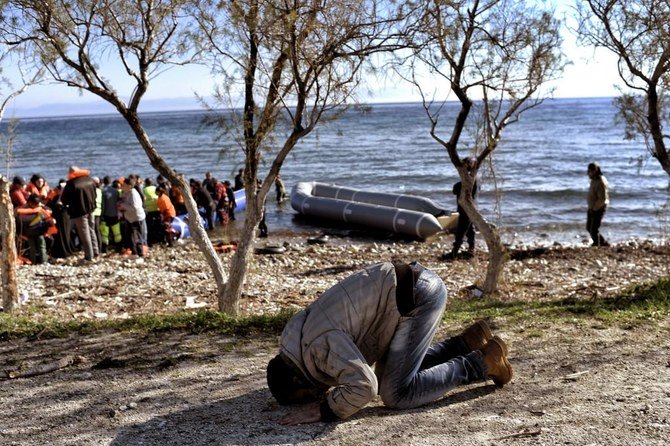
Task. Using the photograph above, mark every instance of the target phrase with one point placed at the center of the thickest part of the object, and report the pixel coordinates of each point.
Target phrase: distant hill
(100, 107)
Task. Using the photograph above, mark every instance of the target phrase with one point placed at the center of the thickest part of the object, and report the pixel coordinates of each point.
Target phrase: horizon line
(168, 109)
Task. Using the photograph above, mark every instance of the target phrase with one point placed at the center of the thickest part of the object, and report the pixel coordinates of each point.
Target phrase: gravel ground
(576, 382)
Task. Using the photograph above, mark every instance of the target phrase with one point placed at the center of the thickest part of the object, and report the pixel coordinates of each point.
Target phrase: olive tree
(292, 64)
(9, 293)
(495, 56)
(75, 40)
(638, 33)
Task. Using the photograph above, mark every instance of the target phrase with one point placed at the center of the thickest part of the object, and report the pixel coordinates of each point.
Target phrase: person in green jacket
(154, 225)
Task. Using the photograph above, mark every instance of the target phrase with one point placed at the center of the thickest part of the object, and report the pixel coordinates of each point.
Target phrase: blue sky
(590, 74)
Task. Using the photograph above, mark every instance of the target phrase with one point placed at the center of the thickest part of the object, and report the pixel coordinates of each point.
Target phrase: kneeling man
(385, 315)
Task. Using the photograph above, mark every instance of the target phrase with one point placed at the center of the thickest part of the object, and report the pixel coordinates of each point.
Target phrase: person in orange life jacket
(177, 200)
(33, 221)
(39, 187)
(167, 213)
(79, 198)
(204, 200)
(133, 212)
(18, 192)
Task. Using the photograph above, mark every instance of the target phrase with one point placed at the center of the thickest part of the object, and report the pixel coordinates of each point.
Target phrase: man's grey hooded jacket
(337, 338)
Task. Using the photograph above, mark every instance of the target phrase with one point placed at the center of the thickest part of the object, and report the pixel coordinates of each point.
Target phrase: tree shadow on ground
(242, 420)
(249, 420)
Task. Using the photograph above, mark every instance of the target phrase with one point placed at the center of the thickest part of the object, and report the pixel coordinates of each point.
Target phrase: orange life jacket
(165, 207)
(78, 173)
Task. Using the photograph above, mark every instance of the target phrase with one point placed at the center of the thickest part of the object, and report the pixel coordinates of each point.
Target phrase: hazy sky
(591, 74)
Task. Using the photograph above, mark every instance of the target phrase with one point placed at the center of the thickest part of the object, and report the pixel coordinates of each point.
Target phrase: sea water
(534, 190)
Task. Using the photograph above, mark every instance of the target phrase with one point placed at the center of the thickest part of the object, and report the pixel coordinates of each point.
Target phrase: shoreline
(173, 279)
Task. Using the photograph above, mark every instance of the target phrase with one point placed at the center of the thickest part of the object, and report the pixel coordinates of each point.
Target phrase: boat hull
(399, 213)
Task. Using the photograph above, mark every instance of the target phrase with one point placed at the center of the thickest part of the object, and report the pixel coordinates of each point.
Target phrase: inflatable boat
(180, 222)
(400, 213)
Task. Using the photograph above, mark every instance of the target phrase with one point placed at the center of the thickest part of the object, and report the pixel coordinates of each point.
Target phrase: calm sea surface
(540, 166)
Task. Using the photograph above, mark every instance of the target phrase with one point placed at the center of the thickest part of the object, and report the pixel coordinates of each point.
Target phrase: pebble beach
(178, 278)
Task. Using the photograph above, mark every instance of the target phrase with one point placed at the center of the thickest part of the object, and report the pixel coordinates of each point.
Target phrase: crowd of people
(124, 215)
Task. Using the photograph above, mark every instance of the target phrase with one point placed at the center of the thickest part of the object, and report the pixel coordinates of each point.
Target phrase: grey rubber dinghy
(400, 213)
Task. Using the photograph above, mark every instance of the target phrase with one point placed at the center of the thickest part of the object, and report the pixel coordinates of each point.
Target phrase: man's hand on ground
(308, 413)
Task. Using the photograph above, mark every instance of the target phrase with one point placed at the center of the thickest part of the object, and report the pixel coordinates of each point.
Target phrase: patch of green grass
(12, 327)
(636, 305)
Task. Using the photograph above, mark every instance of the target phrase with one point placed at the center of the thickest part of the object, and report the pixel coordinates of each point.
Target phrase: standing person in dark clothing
(209, 183)
(231, 200)
(239, 180)
(598, 199)
(63, 245)
(464, 228)
(384, 316)
(280, 188)
(262, 226)
(204, 200)
(79, 198)
(110, 227)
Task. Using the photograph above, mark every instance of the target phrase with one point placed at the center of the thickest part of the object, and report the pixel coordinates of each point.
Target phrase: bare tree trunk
(8, 257)
(490, 234)
(195, 225)
(240, 261)
(660, 151)
(496, 258)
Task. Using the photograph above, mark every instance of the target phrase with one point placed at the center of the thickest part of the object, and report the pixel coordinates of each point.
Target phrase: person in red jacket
(79, 199)
(18, 192)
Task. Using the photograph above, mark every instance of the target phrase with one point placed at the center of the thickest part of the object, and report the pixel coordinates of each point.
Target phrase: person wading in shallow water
(386, 315)
(598, 199)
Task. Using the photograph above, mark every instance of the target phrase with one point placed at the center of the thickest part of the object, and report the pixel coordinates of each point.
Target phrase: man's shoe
(477, 335)
(498, 367)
